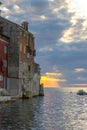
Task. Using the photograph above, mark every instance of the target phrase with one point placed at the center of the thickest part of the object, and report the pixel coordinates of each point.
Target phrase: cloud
(56, 75)
(17, 9)
(76, 32)
(52, 79)
(43, 17)
(68, 35)
(78, 70)
(6, 10)
(82, 78)
(11, 9)
(49, 82)
(80, 7)
(46, 49)
(60, 36)
(11, 2)
(78, 85)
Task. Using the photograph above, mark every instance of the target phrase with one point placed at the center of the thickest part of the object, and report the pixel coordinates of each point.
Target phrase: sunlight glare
(49, 82)
(79, 6)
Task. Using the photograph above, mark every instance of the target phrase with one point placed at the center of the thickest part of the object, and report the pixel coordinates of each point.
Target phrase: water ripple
(57, 110)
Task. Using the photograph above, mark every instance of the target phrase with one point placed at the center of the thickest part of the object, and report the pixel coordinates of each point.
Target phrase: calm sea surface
(59, 109)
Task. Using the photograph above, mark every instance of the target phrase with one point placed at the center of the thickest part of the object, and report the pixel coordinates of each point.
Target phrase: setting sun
(49, 82)
(52, 79)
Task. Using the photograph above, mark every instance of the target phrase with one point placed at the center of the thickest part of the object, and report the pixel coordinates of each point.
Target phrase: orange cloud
(49, 82)
(52, 79)
(79, 85)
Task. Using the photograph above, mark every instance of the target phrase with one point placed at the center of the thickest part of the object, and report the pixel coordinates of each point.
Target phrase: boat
(81, 92)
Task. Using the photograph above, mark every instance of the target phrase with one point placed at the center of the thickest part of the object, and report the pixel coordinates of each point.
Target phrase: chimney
(25, 25)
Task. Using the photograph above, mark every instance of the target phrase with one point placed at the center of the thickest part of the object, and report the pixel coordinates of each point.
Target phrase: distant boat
(81, 92)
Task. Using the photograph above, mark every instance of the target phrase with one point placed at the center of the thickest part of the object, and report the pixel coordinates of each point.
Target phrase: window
(5, 63)
(24, 34)
(11, 29)
(24, 49)
(29, 68)
(28, 55)
(20, 32)
(5, 49)
(21, 47)
(1, 77)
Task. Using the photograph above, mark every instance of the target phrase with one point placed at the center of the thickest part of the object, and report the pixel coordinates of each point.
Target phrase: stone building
(3, 60)
(22, 79)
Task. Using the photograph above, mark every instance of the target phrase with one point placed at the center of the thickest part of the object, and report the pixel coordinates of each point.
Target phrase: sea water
(59, 109)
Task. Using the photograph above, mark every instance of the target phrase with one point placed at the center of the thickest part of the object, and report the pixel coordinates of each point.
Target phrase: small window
(20, 32)
(20, 47)
(5, 63)
(24, 34)
(28, 55)
(11, 29)
(1, 77)
(5, 49)
(24, 50)
(29, 68)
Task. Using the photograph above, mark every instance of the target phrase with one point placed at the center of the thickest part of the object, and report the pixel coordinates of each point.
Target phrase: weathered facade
(3, 60)
(21, 77)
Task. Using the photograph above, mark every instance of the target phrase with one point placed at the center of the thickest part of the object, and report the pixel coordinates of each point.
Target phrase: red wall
(3, 60)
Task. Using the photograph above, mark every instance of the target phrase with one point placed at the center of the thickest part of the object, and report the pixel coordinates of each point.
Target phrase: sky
(60, 31)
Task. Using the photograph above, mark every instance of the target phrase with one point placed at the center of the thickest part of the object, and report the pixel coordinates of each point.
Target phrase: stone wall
(13, 86)
(11, 30)
(36, 84)
(22, 76)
